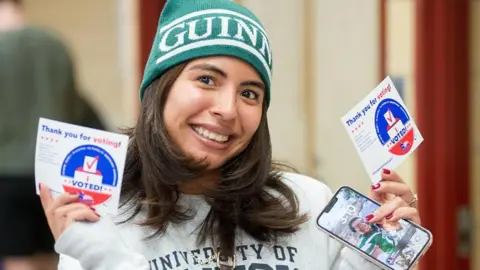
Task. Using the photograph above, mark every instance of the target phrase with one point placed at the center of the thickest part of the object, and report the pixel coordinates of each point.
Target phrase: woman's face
(214, 108)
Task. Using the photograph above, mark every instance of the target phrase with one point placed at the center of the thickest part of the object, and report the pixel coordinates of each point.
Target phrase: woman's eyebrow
(210, 67)
(258, 84)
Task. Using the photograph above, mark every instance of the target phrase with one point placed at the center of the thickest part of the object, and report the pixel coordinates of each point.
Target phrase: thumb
(45, 196)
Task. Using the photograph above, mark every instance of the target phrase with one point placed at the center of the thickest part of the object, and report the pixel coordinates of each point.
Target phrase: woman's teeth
(210, 135)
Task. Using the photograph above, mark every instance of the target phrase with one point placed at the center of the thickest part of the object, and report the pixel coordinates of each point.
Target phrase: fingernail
(389, 216)
(95, 211)
(386, 171)
(39, 186)
(369, 217)
(376, 186)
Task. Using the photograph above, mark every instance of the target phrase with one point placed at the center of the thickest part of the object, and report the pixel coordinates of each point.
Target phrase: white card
(75, 159)
(382, 130)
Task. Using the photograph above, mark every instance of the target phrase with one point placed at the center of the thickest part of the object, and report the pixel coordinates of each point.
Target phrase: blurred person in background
(36, 80)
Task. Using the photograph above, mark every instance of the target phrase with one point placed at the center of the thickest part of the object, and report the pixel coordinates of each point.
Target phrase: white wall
(345, 68)
(90, 29)
(347, 44)
(287, 117)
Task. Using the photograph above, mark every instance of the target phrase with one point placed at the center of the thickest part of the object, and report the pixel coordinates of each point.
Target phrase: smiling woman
(200, 188)
(214, 108)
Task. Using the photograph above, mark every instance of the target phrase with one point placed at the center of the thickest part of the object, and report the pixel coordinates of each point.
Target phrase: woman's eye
(250, 94)
(206, 80)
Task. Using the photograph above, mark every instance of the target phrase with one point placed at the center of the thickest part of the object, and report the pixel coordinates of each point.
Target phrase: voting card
(75, 159)
(382, 130)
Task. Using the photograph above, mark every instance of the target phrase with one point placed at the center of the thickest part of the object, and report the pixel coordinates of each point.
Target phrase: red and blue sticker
(394, 127)
(91, 172)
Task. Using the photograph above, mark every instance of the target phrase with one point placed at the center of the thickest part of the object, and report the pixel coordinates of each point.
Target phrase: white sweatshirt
(104, 245)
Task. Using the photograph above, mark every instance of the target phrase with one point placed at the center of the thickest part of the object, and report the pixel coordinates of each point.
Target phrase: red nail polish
(369, 217)
(39, 186)
(376, 186)
(389, 216)
(386, 171)
(92, 208)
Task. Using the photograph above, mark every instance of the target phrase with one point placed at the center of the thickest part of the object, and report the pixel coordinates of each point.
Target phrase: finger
(45, 196)
(406, 213)
(386, 210)
(62, 211)
(63, 199)
(388, 187)
(81, 214)
(377, 196)
(388, 175)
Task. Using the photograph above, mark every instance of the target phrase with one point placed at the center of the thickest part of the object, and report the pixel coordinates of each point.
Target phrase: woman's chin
(213, 162)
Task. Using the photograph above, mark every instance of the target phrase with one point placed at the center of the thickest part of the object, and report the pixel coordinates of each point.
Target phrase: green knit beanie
(190, 29)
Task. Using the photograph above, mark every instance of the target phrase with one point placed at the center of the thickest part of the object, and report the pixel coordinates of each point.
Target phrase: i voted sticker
(91, 172)
(394, 127)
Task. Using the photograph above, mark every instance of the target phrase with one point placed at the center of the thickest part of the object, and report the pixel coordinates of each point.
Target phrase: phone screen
(395, 245)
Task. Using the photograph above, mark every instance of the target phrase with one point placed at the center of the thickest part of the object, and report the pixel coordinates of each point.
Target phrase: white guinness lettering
(224, 27)
(265, 50)
(241, 26)
(228, 28)
(180, 38)
(192, 27)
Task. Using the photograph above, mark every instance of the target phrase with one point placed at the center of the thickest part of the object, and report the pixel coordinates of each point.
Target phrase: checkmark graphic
(90, 164)
(390, 118)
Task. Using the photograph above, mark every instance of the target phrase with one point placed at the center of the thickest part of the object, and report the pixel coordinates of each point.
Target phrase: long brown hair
(250, 195)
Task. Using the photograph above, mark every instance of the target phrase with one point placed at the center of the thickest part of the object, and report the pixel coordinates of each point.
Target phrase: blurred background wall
(320, 73)
(327, 56)
(102, 36)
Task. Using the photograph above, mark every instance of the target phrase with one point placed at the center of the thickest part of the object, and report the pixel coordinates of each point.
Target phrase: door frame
(149, 15)
(442, 92)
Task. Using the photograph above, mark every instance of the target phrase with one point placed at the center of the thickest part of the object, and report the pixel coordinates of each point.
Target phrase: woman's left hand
(396, 198)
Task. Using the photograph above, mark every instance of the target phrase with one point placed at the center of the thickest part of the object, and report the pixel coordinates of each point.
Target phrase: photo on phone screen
(396, 245)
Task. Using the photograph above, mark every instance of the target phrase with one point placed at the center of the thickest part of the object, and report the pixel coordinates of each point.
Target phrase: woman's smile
(212, 139)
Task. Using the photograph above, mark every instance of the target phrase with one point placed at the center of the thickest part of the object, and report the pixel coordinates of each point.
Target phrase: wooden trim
(149, 15)
(150, 11)
(442, 91)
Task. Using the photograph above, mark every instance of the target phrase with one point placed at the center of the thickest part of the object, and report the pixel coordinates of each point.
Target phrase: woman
(199, 181)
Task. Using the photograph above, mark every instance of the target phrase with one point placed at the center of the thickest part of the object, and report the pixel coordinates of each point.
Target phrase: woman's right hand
(64, 211)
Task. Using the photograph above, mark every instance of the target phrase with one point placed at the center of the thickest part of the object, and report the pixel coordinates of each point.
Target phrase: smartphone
(389, 245)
